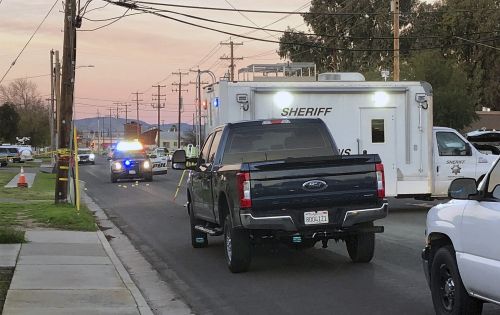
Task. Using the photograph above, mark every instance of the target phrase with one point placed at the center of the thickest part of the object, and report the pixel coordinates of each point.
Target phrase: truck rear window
(277, 142)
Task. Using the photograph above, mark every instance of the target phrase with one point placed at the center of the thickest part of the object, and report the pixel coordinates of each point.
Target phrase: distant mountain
(94, 124)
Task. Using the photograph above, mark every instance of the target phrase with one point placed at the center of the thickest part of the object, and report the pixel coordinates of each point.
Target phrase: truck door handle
(437, 169)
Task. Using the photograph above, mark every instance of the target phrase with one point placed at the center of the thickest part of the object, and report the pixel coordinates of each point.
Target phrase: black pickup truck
(282, 180)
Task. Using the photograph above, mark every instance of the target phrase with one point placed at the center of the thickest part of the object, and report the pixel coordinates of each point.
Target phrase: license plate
(131, 172)
(315, 217)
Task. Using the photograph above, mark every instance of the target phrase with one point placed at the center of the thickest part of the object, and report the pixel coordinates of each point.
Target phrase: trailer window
(378, 131)
(450, 144)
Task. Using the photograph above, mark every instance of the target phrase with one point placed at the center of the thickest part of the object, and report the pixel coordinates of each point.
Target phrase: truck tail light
(379, 168)
(244, 190)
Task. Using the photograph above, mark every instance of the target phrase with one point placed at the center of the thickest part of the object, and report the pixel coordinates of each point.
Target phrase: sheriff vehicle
(392, 119)
(159, 159)
(129, 161)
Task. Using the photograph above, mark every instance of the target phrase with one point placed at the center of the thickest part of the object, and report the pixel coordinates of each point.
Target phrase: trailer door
(378, 135)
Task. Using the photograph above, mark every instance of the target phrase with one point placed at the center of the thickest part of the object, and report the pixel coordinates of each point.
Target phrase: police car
(129, 161)
(159, 159)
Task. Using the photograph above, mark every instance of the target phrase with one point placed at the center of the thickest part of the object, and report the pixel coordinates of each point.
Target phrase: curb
(153, 295)
(142, 305)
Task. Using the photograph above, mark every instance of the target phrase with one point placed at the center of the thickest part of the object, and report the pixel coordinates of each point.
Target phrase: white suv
(462, 256)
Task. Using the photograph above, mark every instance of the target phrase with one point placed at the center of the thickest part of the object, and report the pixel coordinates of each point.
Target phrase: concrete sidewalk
(64, 272)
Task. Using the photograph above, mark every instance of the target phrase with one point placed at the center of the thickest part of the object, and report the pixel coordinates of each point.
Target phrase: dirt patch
(5, 279)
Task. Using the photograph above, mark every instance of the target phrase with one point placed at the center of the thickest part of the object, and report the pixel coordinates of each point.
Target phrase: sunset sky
(137, 51)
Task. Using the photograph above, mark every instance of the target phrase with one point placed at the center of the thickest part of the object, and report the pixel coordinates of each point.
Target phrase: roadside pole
(57, 91)
(66, 109)
(77, 175)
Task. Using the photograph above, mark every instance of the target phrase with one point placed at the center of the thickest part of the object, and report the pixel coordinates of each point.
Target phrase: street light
(85, 66)
(198, 83)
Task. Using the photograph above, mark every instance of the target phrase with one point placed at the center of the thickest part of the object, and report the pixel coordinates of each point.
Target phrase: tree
(9, 121)
(33, 113)
(357, 42)
(458, 29)
(453, 105)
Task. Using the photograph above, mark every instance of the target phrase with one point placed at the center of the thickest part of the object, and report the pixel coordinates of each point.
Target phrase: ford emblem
(314, 185)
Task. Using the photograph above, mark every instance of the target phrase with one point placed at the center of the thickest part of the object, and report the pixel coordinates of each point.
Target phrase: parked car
(462, 255)
(16, 155)
(4, 157)
(12, 154)
(282, 180)
(85, 155)
(160, 160)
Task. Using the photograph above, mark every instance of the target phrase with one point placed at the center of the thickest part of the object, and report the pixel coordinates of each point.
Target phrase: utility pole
(51, 105)
(137, 100)
(66, 108)
(159, 97)
(395, 28)
(126, 112)
(57, 72)
(110, 129)
(98, 132)
(198, 101)
(180, 90)
(231, 58)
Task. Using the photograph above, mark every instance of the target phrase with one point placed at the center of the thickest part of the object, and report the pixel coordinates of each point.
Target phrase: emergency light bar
(276, 121)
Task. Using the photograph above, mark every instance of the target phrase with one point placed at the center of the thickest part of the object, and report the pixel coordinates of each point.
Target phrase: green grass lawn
(43, 187)
(34, 207)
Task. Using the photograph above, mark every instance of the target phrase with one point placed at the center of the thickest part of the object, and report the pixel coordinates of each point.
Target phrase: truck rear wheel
(237, 247)
(361, 247)
(198, 238)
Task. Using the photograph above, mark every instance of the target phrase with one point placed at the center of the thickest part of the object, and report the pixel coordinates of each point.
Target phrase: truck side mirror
(462, 188)
(179, 160)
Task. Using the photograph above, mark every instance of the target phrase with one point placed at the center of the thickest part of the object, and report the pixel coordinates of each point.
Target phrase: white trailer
(393, 119)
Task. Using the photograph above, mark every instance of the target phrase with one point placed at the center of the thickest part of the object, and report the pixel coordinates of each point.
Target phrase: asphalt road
(281, 280)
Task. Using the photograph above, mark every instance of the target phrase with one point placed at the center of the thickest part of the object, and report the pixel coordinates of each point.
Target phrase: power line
(279, 42)
(307, 34)
(477, 43)
(248, 19)
(133, 5)
(103, 26)
(29, 40)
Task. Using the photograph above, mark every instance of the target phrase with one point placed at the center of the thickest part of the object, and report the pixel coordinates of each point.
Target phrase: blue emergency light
(216, 102)
(127, 162)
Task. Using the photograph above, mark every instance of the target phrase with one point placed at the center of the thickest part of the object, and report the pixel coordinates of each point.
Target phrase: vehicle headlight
(91, 156)
(117, 165)
(146, 164)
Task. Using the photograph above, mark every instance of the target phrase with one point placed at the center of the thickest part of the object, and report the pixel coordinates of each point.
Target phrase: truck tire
(198, 238)
(148, 178)
(361, 247)
(114, 179)
(236, 247)
(448, 292)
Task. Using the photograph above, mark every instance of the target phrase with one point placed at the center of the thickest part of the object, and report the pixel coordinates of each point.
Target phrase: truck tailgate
(347, 182)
